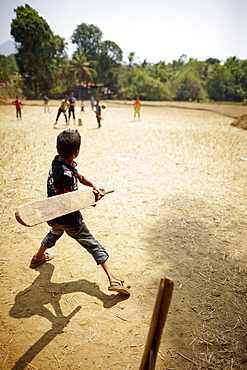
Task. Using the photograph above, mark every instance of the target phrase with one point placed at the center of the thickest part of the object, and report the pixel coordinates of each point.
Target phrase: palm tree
(131, 58)
(82, 67)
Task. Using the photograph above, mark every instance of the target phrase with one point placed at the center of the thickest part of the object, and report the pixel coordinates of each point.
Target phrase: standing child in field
(97, 110)
(92, 101)
(62, 109)
(18, 104)
(72, 101)
(63, 178)
(46, 100)
(82, 106)
(137, 107)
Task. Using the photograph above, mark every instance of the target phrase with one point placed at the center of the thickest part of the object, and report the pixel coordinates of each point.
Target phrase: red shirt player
(18, 104)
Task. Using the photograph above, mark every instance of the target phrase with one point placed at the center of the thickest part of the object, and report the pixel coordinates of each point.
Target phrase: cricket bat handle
(108, 191)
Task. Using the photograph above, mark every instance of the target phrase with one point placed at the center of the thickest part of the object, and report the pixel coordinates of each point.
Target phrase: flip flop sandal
(118, 286)
(36, 262)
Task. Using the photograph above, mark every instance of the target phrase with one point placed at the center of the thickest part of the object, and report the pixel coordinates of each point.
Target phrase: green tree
(82, 67)
(142, 84)
(159, 71)
(244, 79)
(233, 65)
(61, 47)
(4, 68)
(62, 76)
(131, 58)
(151, 89)
(190, 81)
(144, 64)
(212, 61)
(110, 57)
(36, 49)
(111, 51)
(220, 84)
(8, 67)
(129, 70)
(8, 70)
(12, 64)
(177, 64)
(88, 38)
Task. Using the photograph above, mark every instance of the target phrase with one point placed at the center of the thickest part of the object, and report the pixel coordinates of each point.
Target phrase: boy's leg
(40, 257)
(99, 123)
(65, 116)
(58, 114)
(83, 236)
(107, 268)
(49, 241)
(116, 285)
(40, 252)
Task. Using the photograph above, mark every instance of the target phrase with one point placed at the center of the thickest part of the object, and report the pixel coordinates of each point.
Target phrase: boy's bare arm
(98, 190)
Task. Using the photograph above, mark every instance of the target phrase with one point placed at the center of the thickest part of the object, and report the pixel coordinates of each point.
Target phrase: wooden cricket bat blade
(34, 213)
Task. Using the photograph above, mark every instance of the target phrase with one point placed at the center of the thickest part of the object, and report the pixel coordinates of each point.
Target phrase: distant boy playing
(82, 106)
(63, 178)
(62, 109)
(46, 101)
(92, 101)
(18, 104)
(137, 107)
(72, 101)
(97, 110)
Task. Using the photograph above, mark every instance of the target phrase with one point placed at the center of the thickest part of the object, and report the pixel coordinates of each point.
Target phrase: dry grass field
(179, 211)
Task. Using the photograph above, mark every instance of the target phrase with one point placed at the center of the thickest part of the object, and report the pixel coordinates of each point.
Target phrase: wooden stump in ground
(157, 324)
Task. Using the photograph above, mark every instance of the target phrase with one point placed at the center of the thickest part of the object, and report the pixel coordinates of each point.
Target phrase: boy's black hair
(68, 142)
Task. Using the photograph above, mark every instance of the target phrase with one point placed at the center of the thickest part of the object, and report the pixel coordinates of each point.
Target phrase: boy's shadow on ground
(33, 299)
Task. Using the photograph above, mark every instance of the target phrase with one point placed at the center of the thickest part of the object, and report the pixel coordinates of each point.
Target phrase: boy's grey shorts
(81, 234)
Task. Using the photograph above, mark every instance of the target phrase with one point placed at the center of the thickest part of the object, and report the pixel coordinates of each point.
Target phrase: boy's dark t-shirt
(62, 179)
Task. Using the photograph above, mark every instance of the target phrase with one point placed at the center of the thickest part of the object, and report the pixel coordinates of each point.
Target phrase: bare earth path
(179, 210)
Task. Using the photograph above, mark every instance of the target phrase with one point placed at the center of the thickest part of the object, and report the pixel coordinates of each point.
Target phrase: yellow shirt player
(137, 106)
(62, 109)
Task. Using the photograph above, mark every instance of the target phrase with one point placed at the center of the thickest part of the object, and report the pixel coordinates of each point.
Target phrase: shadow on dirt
(209, 300)
(33, 299)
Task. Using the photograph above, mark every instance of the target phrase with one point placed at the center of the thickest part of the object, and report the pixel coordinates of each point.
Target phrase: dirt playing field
(179, 211)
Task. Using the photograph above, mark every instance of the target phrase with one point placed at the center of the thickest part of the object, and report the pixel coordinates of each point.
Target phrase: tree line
(45, 67)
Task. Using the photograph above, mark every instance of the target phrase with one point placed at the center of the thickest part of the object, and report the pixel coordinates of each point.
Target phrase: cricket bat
(34, 213)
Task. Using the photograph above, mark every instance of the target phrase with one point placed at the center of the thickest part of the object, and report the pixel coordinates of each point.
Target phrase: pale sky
(156, 30)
